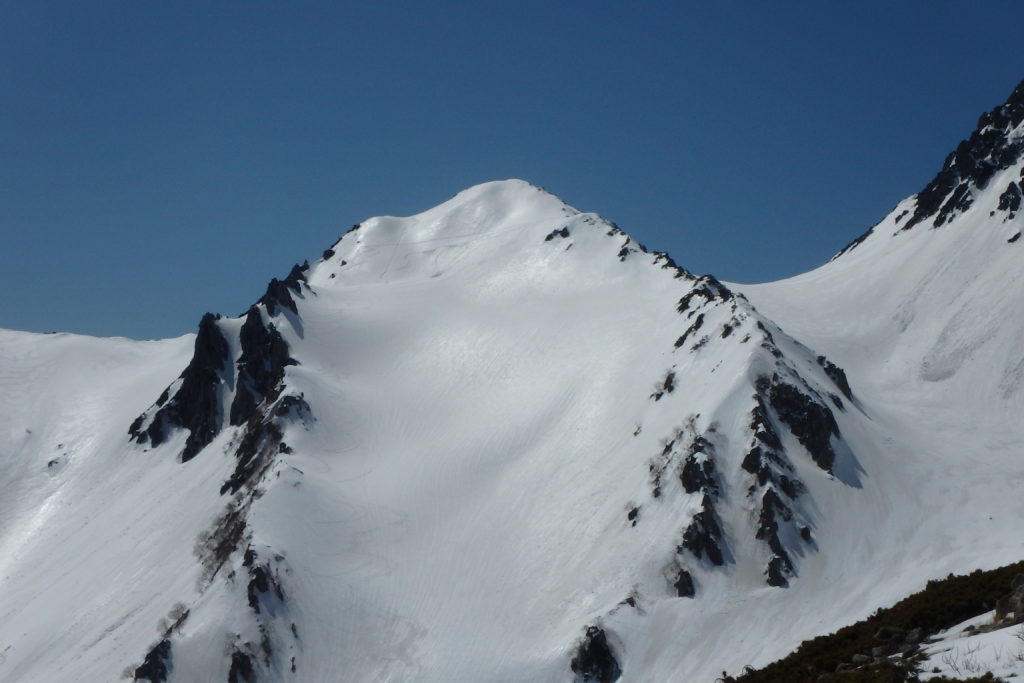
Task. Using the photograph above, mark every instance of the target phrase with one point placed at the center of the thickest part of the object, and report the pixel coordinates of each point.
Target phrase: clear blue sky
(162, 159)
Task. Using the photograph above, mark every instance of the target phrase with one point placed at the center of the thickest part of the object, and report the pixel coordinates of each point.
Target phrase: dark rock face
(765, 458)
(279, 292)
(668, 385)
(196, 404)
(1009, 200)
(294, 407)
(668, 263)
(241, 668)
(855, 242)
(774, 510)
(837, 375)
(810, 421)
(707, 288)
(973, 163)
(261, 365)
(259, 582)
(594, 661)
(563, 233)
(696, 325)
(703, 536)
(262, 581)
(684, 585)
(156, 665)
(699, 474)
(261, 441)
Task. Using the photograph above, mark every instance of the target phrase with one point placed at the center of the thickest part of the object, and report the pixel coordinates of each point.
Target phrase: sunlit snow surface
(957, 653)
(483, 422)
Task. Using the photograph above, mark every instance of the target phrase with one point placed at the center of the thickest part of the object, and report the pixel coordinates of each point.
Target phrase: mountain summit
(501, 440)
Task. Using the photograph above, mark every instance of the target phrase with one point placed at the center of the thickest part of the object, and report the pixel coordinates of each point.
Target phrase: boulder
(891, 633)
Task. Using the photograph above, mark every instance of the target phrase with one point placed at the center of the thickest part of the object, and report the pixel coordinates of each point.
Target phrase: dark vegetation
(262, 438)
(941, 605)
(214, 546)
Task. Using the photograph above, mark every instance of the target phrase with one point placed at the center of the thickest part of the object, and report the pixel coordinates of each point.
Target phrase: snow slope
(499, 440)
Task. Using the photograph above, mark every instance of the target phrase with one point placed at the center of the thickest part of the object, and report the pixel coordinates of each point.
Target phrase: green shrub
(942, 604)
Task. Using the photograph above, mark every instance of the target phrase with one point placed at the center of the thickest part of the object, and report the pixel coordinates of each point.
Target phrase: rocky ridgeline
(193, 401)
(996, 145)
(260, 409)
(783, 400)
(989, 149)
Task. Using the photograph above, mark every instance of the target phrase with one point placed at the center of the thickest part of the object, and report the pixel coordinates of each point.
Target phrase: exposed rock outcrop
(989, 149)
(261, 365)
(195, 405)
(594, 661)
(157, 664)
(279, 292)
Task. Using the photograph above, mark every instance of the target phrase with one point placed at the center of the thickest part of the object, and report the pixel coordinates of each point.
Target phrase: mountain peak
(995, 145)
(490, 206)
(984, 170)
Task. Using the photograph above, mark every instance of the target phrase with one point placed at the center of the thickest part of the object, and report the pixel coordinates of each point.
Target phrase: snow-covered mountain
(501, 441)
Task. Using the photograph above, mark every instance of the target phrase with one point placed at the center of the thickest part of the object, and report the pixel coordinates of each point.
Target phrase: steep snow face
(95, 539)
(524, 426)
(925, 312)
(496, 440)
(927, 323)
